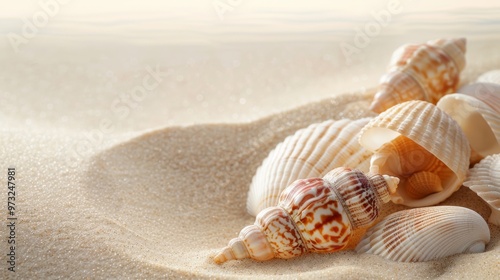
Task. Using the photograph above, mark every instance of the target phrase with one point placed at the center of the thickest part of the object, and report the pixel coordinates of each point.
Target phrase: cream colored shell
(489, 93)
(492, 76)
(421, 72)
(484, 179)
(310, 152)
(432, 129)
(479, 121)
(425, 234)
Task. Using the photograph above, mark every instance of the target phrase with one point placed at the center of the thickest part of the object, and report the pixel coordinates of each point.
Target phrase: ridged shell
(313, 215)
(421, 72)
(310, 152)
(421, 184)
(429, 127)
(492, 76)
(479, 121)
(425, 234)
(484, 179)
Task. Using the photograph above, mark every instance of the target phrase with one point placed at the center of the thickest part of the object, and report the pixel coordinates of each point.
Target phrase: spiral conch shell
(477, 111)
(310, 152)
(313, 215)
(484, 179)
(424, 234)
(411, 140)
(421, 72)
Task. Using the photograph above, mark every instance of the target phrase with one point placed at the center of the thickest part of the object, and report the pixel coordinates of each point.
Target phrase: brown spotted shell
(313, 215)
(421, 72)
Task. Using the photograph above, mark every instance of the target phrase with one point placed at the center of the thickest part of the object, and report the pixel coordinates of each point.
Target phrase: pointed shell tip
(461, 42)
(223, 256)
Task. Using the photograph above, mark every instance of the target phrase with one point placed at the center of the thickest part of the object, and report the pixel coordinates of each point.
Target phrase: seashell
(421, 72)
(417, 136)
(492, 76)
(424, 234)
(489, 93)
(484, 179)
(421, 184)
(313, 215)
(310, 152)
(479, 121)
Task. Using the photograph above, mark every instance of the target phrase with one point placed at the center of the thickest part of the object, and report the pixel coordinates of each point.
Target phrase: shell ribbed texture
(429, 127)
(310, 152)
(425, 234)
(484, 179)
(360, 195)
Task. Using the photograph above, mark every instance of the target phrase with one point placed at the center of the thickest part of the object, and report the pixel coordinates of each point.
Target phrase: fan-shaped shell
(425, 234)
(484, 179)
(439, 137)
(479, 121)
(421, 72)
(492, 76)
(310, 152)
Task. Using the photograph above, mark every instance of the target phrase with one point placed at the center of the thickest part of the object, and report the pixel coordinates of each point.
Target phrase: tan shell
(313, 215)
(492, 76)
(425, 234)
(484, 179)
(421, 184)
(439, 137)
(421, 72)
(479, 121)
(310, 152)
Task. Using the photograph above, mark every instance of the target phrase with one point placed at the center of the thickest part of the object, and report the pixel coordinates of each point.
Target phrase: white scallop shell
(425, 234)
(484, 179)
(480, 123)
(492, 76)
(430, 128)
(310, 152)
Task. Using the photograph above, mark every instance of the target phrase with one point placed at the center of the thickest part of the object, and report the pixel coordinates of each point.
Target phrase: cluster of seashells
(320, 185)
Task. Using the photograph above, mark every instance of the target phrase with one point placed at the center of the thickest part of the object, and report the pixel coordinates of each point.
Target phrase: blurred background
(70, 63)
